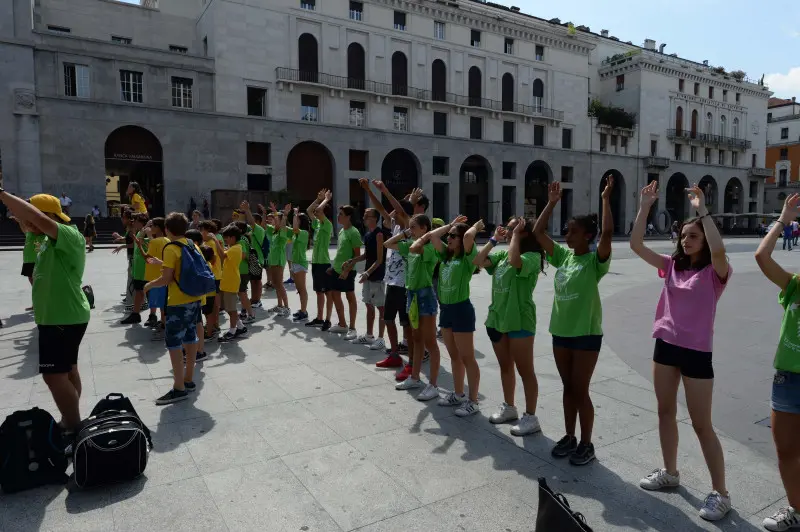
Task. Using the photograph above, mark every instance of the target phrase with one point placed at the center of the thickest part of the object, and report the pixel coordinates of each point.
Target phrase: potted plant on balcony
(615, 117)
(738, 75)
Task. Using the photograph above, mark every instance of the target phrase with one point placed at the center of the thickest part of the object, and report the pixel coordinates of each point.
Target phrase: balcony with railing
(708, 138)
(656, 162)
(760, 172)
(292, 75)
(356, 14)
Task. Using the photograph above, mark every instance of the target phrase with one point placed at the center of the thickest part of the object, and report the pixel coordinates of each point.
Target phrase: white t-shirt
(65, 201)
(395, 265)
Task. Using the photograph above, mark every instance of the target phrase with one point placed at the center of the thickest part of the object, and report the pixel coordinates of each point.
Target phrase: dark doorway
(309, 169)
(399, 74)
(679, 121)
(676, 197)
(134, 154)
(356, 69)
(734, 203)
(474, 190)
(441, 200)
(537, 177)
(508, 92)
(400, 172)
(538, 95)
(617, 201)
(307, 58)
(438, 81)
(475, 90)
(709, 187)
(694, 124)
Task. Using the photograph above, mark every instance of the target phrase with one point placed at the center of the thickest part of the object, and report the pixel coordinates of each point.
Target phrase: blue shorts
(458, 316)
(426, 301)
(181, 325)
(157, 297)
(495, 335)
(786, 392)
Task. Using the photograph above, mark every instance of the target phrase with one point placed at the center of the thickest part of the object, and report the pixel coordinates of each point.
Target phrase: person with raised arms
(321, 259)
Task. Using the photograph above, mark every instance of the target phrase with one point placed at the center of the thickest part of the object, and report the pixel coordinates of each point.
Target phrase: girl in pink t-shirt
(694, 279)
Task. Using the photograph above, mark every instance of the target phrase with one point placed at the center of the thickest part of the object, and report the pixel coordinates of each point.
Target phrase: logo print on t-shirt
(502, 285)
(446, 271)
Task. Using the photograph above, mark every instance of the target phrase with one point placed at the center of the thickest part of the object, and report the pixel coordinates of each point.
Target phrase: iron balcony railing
(760, 172)
(389, 89)
(656, 162)
(708, 138)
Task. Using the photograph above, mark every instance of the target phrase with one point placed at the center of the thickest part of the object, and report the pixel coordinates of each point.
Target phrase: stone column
(26, 133)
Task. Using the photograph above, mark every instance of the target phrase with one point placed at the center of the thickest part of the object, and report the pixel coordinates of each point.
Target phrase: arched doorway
(538, 95)
(537, 177)
(508, 92)
(679, 121)
(474, 188)
(134, 154)
(694, 124)
(399, 74)
(733, 200)
(356, 69)
(709, 187)
(677, 202)
(309, 169)
(617, 201)
(400, 172)
(474, 81)
(308, 60)
(438, 81)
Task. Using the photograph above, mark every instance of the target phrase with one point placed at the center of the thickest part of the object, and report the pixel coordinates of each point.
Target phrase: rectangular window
(309, 107)
(399, 21)
(707, 156)
(358, 160)
(539, 53)
(356, 11)
(509, 202)
(680, 85)
(782, 174)
(623, 144)
(401, 118)
(614, 143)
(509, 127)
(738, 97)
(721, 157)
(178, 49)
(475, 127)
(603, 142)
(182, 93)
(131, 86)
(358, 113)
(566, 174)
(76, 80)
(697, 89)
(205, 46)
(784, 156)
(734, 159)
(566, 139)
(538, 135)
(256, 101)
(508, 46)
(59, 29)
(784, 132)
(259, 154)
(441, 200)
(678, 152)
(475, 38)
(310, 5)
(439, 123)
(693, 154)
(259, 182)
(653, 148)
(438, 30)
(753, 162)
(121, 40)
(509, 170)
(711, 93)
(620, 82)
(724, 95)
(441, 165)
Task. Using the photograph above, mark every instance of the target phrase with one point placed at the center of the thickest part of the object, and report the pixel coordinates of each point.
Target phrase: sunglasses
(453, 235)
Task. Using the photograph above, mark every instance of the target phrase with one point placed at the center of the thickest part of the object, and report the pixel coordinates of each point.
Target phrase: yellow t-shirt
(230, 270)
(137, 202)
(216, 268)
(172, 259)
(155, 249)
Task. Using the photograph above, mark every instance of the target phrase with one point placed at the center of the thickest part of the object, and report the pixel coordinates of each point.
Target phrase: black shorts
(347, 284)
(138, 284)
(208, 308)
(460, 317)
(693, 364)
(320, 277)
(27, 269)
(59, 346)
(395, 305)
(244, 283)
(590, 342)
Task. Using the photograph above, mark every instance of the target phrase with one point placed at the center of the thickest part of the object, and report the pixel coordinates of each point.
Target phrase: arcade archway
(537, 177)
(134, 154)
(400, 172)
(309, 169)
(474, 188)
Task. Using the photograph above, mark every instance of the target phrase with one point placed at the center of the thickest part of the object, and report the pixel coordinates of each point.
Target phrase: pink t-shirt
(687, 306)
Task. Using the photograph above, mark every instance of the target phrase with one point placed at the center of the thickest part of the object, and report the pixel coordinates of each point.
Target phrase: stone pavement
(293, 429)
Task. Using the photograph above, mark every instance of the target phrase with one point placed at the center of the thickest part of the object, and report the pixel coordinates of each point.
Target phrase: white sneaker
(452, 399)
(529, 424)
(377, 345)
(504, 414)
(430, 392)
(284, 312)
(467, 409)
(274, 310)
(351, 335)
(715, 507)
(409, 384)
(660, 479)
(364, 339)
(337, 329)
(784, 519)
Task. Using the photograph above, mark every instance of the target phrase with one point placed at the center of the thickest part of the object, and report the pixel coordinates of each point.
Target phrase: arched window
(307, 58)
(399, 74)
(735, 128)
(538, 95)
(475, 90)
(356, 68)
(694, 124)
(508, 92)
(709, 124)
(723, 126)
(679, 121)
(439, 81)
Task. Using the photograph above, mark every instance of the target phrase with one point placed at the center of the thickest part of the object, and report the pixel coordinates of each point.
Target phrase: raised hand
(520, 227)
(261, 208)
(479, 226)
(245, 206)
(500, 233)
(791, 208)
(649, 194)
(320, 195)
(287, 208)
(380, 185)
(460, 219)
(364, 182)
(272, 207)
(606, 195)
(696, 198)
(554, 192)
(416, 195)
(328, 195)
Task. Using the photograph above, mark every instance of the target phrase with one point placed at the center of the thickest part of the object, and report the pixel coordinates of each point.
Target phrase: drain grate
(766, 422)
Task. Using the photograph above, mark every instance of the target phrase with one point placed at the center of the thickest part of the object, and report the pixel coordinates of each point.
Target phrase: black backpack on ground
(111, 445)
(31, 451)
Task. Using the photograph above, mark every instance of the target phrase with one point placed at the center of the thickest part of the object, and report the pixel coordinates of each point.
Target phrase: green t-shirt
(455, 276)
(32, 243)
(299, 248)
(512, 307)
(57, 295)
(349, 240)
(576, 303)
(419, 267)
(257, 241)
(787, 356)
(322, 241)
(244, 266)
(277, 246)
(139, 262)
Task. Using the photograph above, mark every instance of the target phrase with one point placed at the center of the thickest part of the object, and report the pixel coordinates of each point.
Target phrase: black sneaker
(300, 316)
(565, 447)
(172, 396)
(227, 337)
(315, 323)
(207, 336)
(325, 326)
(240, 332)
(402, 349)
(152, 321)
(582, 455)
(189, 386)
(201, 357)
(131, 319)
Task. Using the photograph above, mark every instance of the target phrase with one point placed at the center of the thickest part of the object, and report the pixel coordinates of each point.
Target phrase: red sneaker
(391, 361)
(404, 374)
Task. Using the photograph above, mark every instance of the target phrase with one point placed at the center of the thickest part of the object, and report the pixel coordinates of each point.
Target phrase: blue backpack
(196, 278)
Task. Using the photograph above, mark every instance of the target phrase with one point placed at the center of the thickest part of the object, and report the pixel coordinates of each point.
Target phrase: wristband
(780, 222)
(492, 241)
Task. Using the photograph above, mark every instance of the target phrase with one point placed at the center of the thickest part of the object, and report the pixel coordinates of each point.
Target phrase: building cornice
(691, 98)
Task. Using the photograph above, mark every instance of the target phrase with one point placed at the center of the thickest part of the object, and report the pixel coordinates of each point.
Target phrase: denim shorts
(458, 316)
(157, 297)
(495, 336)
(786, 392)
(426, 301)
(181, 325)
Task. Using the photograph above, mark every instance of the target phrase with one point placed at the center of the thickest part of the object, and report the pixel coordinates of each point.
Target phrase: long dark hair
(530, 244)
(461, 230)
(684, 261)
(137, 189)
(305, 225)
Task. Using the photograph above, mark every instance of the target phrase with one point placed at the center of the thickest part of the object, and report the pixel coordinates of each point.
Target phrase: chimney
(661, 48)
(705, 62)
(604, 33)
(649, 44)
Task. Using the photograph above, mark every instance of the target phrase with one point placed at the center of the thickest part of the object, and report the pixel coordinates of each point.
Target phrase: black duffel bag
(555, 515)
